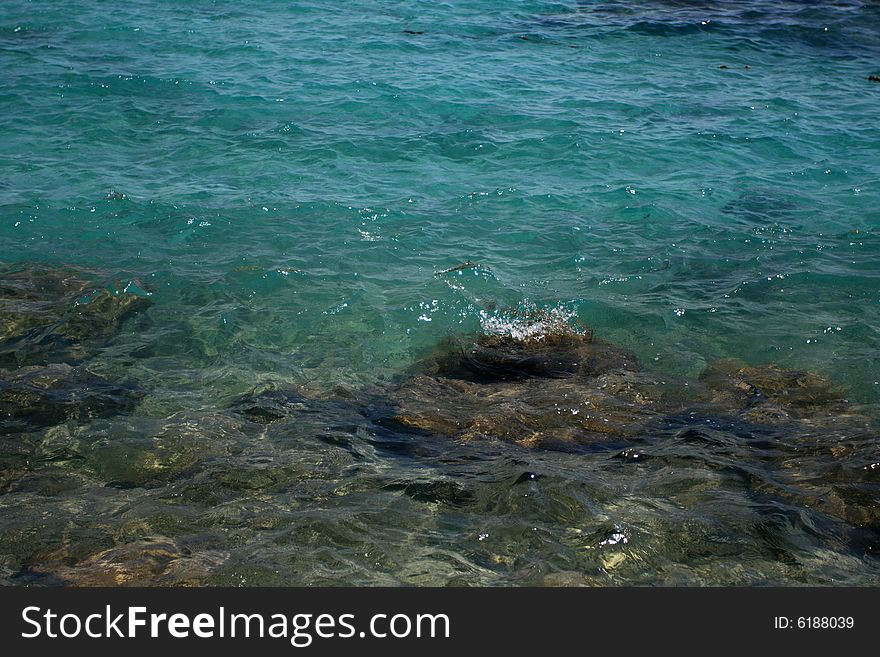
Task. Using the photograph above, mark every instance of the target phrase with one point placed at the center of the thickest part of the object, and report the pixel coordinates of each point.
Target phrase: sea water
(693, 181)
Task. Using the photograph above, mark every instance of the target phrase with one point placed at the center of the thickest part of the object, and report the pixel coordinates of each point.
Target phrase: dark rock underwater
(788, 441)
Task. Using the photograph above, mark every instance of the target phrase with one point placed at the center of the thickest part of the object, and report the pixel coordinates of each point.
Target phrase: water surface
(284, 180)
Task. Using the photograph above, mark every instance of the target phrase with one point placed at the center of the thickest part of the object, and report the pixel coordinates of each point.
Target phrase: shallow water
(287, 181)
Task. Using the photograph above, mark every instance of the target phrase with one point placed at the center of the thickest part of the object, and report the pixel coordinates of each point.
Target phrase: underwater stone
(554, 386)
(34, 396)
(571, 579)
(445, 492)
(545, 383)
(29, 297)
(769, 393)
(554, 356)
(533, 412)
(269, 405)
(101, 315)
(58, 315)
(150, 561)
(527, 476)
(174, 448)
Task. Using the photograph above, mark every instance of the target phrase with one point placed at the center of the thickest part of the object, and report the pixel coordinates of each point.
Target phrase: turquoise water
(286, 178)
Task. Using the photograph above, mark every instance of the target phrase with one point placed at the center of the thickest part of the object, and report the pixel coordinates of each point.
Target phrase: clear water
(694, 182)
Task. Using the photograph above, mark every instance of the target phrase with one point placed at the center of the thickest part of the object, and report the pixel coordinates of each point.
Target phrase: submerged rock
(28, 297)
(546, 384)
(549, 384)
(58, 315)
(149, 453)
(760, 206)
(445, 492)
(769, 393)
(33, 397)
(267, 406)
(532, 412)
(544, 355)
(150, 561)
(100, 313)
(570, 579)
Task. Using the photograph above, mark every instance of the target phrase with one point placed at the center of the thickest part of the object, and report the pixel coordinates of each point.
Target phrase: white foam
(529, 324)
